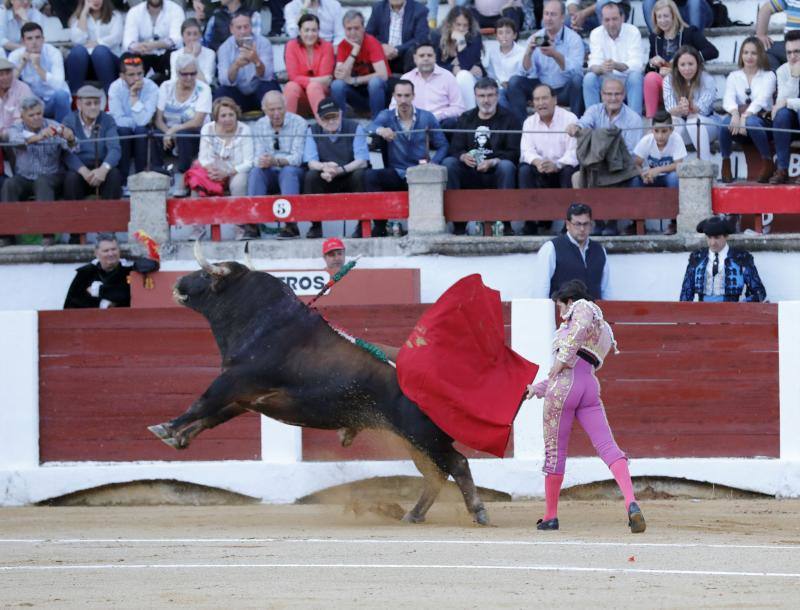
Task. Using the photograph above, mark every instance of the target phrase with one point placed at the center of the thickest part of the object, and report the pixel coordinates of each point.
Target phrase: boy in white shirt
(658, 154)
(505, 60)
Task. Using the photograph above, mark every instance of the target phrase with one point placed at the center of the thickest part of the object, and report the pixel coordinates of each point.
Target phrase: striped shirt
(703, 96)
(290, 138)
(792, 10)
(38, 159)
(396, 26)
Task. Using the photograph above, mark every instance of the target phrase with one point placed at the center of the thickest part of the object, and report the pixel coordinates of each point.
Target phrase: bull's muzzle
(179, 298)
(205, 265)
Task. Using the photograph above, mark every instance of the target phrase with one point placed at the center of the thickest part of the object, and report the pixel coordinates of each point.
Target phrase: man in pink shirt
(436, 88)
(548, 157)
(12, 91)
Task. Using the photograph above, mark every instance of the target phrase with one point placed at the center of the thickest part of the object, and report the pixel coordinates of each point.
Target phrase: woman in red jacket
(309, 64)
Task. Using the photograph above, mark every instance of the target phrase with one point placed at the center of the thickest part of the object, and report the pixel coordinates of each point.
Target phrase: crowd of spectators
(191, 82)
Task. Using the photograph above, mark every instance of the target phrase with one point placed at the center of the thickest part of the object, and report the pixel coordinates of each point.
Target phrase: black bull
(280, 358)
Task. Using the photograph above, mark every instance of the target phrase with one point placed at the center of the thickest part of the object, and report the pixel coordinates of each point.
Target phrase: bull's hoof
(481, 517)
(412, 517)
(346, 436)
(161, 431)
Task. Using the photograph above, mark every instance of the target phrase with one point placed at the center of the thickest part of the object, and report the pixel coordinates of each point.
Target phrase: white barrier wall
(634, 277)
(280, 476)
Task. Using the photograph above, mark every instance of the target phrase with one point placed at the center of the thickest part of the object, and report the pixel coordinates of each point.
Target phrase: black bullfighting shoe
(636, 519)
(550, 524)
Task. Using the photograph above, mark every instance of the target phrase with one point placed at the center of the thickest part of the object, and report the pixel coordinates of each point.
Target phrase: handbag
(197, 179)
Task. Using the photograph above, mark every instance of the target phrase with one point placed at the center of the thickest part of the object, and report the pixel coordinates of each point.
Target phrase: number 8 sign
(281, 208)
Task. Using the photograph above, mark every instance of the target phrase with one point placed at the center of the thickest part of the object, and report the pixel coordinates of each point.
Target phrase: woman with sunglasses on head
(192, 37)
(670, 33)
(96, 32)
(183, 107)
(689, 95)
(309, 66)
(748, 103)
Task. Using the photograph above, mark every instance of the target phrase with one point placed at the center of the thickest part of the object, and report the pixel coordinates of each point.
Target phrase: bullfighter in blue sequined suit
(733, 273)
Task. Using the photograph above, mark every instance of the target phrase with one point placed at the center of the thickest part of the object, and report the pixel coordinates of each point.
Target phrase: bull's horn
(247, 260)
(203, 261)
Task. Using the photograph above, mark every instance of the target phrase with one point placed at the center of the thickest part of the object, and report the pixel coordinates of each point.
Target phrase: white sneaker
(178, 187)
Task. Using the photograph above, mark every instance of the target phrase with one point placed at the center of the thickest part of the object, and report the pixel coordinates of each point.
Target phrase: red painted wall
(691, 380)
(695, 380)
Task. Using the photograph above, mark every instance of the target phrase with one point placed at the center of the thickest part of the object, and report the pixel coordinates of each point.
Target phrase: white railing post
(148, 207)
(426, 185)
(696, 179)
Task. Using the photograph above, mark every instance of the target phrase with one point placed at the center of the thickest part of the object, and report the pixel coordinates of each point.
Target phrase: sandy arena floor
(699, 554)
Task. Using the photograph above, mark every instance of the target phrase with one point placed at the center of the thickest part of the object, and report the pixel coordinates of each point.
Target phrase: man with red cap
(333, 254)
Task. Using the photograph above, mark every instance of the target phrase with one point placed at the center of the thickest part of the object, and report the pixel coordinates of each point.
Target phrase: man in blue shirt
(244, 65)
(404, 149)
(132, 101)
(554, 57)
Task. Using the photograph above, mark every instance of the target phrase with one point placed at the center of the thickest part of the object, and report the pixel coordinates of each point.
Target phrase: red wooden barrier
(81, 216)
(104, 376)
(288, 208)
(551, 204)
(691, 380)
(755, 199)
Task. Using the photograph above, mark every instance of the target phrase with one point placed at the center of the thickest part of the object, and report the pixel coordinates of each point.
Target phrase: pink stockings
(623, 478)
(653, 84)
(552, 488)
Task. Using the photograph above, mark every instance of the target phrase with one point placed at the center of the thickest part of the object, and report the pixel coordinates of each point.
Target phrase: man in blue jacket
(720, 272)
(400, 25)
(93, 167)
(403, 148)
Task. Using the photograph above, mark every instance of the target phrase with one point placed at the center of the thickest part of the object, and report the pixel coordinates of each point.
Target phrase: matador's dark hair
(572, 290)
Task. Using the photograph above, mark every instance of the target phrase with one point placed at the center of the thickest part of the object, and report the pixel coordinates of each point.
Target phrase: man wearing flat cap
(720, 272)
(92, 168)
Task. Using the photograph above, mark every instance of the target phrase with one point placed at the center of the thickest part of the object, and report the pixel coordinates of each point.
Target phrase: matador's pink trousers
(575, 392)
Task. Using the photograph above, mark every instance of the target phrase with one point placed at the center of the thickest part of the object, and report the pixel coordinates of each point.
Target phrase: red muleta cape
(456, 366)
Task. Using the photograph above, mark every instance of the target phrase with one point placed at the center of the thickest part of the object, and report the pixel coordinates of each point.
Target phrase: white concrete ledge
(286, 483)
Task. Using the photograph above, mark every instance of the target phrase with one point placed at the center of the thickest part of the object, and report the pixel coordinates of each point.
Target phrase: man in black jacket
(104, 283)
(483, 158)
(411, 28)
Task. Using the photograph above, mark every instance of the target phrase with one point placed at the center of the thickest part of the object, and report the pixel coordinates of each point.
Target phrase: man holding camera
(554, 57)
(244, 65)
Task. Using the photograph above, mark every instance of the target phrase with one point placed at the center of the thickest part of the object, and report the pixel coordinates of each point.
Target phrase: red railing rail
(79, 216)
(215, 211)
(755, 199)
(551, 204)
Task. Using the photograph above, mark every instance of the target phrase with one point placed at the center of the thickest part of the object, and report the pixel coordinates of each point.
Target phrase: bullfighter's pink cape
(456, 366)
